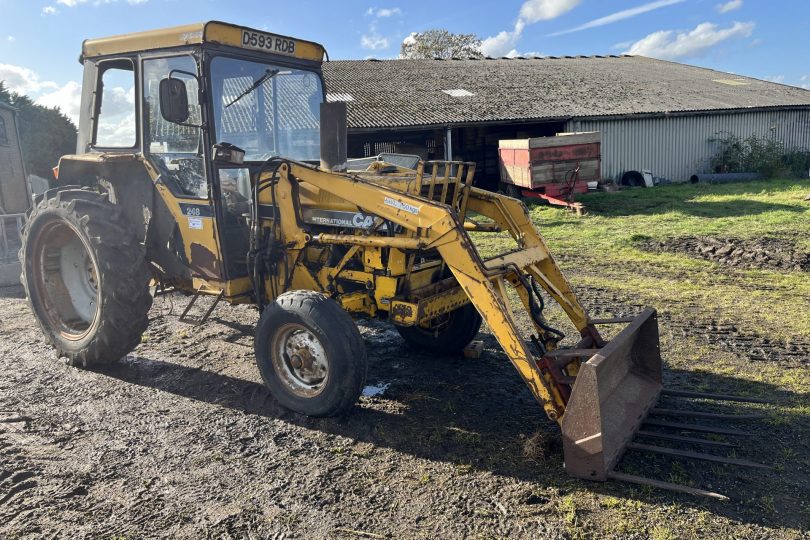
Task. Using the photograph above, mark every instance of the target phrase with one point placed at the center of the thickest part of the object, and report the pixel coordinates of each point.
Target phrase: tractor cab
(202, 107)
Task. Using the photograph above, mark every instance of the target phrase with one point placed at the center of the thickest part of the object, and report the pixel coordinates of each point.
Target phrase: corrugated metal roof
(401, 93)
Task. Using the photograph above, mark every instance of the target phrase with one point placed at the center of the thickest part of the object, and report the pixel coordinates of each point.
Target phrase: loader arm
(429, 224)
(610, 386)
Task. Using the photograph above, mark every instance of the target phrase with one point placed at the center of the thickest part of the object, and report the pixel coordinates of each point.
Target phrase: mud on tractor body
(219, 191)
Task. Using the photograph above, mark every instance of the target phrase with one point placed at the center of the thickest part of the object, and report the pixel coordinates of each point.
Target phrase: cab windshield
(266, 109)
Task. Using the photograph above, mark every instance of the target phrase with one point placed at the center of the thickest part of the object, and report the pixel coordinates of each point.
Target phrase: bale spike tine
(705, 414)
(420, 174)
(457, 185)
(432, 185)
(695, 455)
(633, 479)
(681, 438)
(446, 185)
(719, 397)
(695, 427)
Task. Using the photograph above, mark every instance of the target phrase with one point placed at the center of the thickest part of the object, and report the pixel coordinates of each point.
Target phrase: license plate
(268, 42)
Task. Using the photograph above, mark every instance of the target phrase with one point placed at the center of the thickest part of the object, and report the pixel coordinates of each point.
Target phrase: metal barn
(653, 115)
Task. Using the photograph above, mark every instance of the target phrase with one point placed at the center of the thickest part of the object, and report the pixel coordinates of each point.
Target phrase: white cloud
(48, 93)
(621, 15)
(373, 41)
(669, 45)
(500, 45)
(49, 10)
(384, 12)
(729, 6)
(74, 3)
(543, 10)
(67, 98)
(119, 131)
(23, 80)
(11, 39)
(532, 11)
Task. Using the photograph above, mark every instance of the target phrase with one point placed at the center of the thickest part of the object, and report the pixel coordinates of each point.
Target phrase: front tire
(85, 277)
(448, 334)
(310, 354)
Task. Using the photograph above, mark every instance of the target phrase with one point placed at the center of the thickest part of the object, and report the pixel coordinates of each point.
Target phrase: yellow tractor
(226, 175)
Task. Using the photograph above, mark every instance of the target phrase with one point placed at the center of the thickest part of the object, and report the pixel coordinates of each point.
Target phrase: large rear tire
(85, 276)
(310, 354)
(448, 334)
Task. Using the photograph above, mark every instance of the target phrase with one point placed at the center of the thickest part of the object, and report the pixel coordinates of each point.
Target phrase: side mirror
(174, 100)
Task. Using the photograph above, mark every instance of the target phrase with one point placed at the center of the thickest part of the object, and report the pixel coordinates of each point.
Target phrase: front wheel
(447, 334)
(310, 354)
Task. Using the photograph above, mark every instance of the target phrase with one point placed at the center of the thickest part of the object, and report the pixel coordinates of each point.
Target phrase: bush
(46, 134)
(765, 156)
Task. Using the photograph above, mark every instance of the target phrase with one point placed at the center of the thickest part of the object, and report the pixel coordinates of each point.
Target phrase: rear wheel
(310, 354)
(85, 277)
(447, 334)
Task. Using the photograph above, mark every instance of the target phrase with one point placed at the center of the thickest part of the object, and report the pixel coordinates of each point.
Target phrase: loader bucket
(612, 395)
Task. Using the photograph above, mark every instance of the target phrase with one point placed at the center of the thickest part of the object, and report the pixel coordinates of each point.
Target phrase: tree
(441, 44)
(46, 134)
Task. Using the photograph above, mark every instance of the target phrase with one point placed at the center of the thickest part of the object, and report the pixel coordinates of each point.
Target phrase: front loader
(230, 179)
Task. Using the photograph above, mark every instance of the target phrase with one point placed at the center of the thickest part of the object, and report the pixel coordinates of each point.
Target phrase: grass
(600, 250)
(600, 255)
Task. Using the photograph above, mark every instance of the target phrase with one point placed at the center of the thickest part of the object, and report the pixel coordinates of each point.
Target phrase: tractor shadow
(478, 415)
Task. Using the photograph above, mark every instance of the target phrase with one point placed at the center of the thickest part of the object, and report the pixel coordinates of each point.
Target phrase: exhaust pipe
(334, 145)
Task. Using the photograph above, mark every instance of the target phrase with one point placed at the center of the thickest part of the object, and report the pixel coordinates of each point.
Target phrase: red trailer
(551, 168)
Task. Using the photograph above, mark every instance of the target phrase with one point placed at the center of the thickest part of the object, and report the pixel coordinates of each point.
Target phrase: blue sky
(40, 40)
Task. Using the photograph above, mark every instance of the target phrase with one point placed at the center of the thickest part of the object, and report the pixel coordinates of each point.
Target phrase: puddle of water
(375, 390)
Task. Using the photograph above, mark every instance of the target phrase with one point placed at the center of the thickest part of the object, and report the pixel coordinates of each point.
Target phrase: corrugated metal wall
(677, 147)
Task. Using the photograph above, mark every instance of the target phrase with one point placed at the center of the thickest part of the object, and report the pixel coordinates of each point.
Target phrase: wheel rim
(300, 360)
(66, 280)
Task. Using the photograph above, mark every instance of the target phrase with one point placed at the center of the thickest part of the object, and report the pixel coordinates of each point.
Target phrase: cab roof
(206, 32)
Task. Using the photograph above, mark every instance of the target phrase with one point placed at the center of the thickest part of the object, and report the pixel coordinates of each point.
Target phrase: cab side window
(175, 149)
(115, 121)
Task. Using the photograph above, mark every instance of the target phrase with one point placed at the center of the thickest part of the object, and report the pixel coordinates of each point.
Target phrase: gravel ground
(181, 440)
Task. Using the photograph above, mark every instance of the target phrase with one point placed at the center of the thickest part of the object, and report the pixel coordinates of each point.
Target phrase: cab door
(179, 156)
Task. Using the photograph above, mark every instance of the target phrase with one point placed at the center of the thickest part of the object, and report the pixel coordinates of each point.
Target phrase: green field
(764, 350)
(600, 250)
